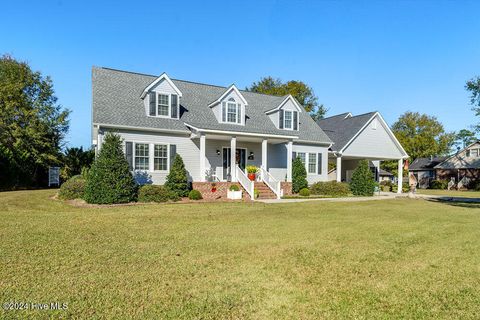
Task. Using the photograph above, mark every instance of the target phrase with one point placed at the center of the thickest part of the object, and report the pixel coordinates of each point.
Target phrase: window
(231, 112)
(160, 158)
(312, 163)
(474, 152)
(141, 156)
(163, 105)
(288, 120)
(302, 157)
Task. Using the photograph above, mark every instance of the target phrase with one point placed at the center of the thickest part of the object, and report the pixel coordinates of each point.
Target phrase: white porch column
(233, 152)
(264, 153)
(400, 176)
(202, 157)
(339, 169)
(289, 160)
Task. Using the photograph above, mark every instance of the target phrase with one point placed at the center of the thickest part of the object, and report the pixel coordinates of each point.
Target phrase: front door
(240, 160)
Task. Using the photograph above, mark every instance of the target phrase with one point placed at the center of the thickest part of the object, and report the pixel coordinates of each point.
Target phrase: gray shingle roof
(116, 101)
(425, 163)
(342, 128)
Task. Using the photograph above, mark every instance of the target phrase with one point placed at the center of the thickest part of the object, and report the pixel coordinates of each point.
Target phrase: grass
(450, 193)
(368, 260)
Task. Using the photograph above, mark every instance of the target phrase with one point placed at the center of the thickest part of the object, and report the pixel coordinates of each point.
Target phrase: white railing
(271, 182)
(246, 183)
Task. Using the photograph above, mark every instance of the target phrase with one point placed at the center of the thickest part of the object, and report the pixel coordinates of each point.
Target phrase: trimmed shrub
(299, 176)
(439, 184)
(330, 188)
(177, 179)
(195, 195)
(234, 187)
(405, 187)
(109, 179)
(304, 192)
(153, 193)
(73, 188)
(362, 183)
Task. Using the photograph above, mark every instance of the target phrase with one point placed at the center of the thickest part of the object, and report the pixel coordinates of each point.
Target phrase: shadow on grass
(473, 203)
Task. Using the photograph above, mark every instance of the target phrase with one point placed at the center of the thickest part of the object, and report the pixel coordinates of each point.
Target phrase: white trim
(232, 87)
(316, 142)
(168, 157)
(291, 120)
(165, 77)
(289, 97)
(239, 133)
(307, 161)
(113, 126)
(246, 159)
(151, 155)
(455, 154)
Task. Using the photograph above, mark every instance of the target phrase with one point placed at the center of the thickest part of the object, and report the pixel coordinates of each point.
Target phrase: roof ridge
(336, 115)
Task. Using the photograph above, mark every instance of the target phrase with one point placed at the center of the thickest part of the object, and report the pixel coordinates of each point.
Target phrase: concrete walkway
(381, 196)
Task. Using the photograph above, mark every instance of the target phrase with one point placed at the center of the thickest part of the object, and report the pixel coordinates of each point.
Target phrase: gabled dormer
(286, 115)
(230, 107)
(162, 98)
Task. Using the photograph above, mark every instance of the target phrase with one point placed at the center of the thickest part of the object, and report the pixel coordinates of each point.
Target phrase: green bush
(153, 193)
(439, 184)
(299, 176)
(363, 183)
(177, 179)
(234, 187)
(405, 187)
(330, 188)
(109, 178)
(194, 195)
(304, 192)
(73, 188)
(256, 193)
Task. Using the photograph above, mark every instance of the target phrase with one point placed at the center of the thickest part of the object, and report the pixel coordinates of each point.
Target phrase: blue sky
(390, 56)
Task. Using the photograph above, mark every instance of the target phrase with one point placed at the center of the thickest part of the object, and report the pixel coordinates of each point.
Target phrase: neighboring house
(424, 170)
(365, 136)
(216, 130)
(385, 175)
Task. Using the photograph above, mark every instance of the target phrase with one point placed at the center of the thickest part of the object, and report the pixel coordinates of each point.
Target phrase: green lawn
(450, 193)
(377, 259)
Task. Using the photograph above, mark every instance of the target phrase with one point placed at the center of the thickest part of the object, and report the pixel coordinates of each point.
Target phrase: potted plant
(234, 192)
(252, 171)
(214, 187)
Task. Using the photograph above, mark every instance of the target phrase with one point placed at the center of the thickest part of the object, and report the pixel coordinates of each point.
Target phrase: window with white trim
(312, 163)
(163, 107)
(141, 156)
(231, 112)
(288, 121)
(160, 157)
(302, 157)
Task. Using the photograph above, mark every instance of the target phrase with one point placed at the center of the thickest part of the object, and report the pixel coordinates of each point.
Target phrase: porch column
(202, 157)
(289, 160)
(264, 153)
(339, 169)
(233, 152)
(400, 176)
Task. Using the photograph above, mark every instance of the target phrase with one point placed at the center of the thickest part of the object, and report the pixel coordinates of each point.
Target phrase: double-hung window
(288, 120)
(312, 163)
(302, 157)
(231, 112)
(141, 156)
(160, 158)
(163, 105)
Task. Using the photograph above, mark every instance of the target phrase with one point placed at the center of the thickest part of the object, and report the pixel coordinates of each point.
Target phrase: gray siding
(312, 178)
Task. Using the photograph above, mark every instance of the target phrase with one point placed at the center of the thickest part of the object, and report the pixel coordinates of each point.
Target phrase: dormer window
(288, 119)
(231, 111)
(163, 105)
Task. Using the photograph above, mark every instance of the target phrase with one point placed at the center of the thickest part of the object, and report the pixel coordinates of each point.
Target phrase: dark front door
(240, 159)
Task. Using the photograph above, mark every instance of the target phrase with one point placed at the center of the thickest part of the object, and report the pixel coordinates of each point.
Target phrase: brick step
(264, 192)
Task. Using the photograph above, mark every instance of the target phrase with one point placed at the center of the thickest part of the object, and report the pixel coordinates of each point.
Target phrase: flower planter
(252, 176)
(234, 195)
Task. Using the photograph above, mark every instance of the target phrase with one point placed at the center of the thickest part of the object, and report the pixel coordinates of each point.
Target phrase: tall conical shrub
(363, 183)
(299, 176)
(109, 180)
(177, 179)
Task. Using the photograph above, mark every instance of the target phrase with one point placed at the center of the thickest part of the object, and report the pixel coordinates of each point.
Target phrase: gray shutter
(280, 119)
(153, 103)
(174, 106)
(129, 154)
(319, 164)
(295, 120)
(224, 111)
(239, 114)
(294, 155)
(173, 153)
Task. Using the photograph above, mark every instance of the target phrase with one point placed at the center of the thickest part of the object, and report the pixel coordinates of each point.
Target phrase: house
(424, 170)
(384, 175)
(366, 136)
(218, 131)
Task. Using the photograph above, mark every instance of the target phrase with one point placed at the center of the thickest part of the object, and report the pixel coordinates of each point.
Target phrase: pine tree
(299, 176)
(177, 180)
(109, 179)
(363, 183)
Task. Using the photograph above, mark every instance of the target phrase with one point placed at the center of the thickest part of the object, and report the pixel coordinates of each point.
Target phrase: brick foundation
(287, 188)
(205, 189)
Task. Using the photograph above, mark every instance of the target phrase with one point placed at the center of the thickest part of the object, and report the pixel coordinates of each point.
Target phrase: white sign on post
(53, 176)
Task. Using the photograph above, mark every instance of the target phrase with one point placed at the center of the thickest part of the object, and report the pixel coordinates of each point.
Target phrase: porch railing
(271, 182)
(246, 183)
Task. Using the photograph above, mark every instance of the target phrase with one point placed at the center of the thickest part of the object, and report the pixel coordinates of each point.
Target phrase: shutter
(129, 154)
(224, 112)
(319, 164)
(280, 119)
(294, 155)
(153, 103)
(295, 120)
(239, 113)
(174, 106)
(173, 153)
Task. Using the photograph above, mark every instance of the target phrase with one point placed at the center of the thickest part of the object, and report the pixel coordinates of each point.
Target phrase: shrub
(256, 193)
(194, 195)
(362, 183)
(177, 179)
(476, 186)
(153, 193)
(330, 188)
(405, 187)
(234, 187)
(109, 178)
(304, 192)
(299, 176)
(439, 184)
(73, 188)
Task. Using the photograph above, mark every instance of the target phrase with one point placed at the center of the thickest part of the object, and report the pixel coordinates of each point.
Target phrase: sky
(358, 56)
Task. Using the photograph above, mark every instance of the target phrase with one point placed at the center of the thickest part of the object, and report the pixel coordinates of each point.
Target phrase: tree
(464, 138)
(318, 113)
(109, 179)
(32, 124)
(177, 179)
(74, 160)
(363, 183)
(473, 86)
(298, 89)
(299, 175)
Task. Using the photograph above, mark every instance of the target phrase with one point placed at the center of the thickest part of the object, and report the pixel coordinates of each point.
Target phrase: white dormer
(162, 98)
(286, 115)
(230, 107)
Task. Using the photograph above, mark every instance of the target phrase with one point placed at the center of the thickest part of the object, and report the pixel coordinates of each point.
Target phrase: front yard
(450, 193)
(375, 259)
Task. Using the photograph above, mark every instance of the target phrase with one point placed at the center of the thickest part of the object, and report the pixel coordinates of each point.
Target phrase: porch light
(218, 152)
